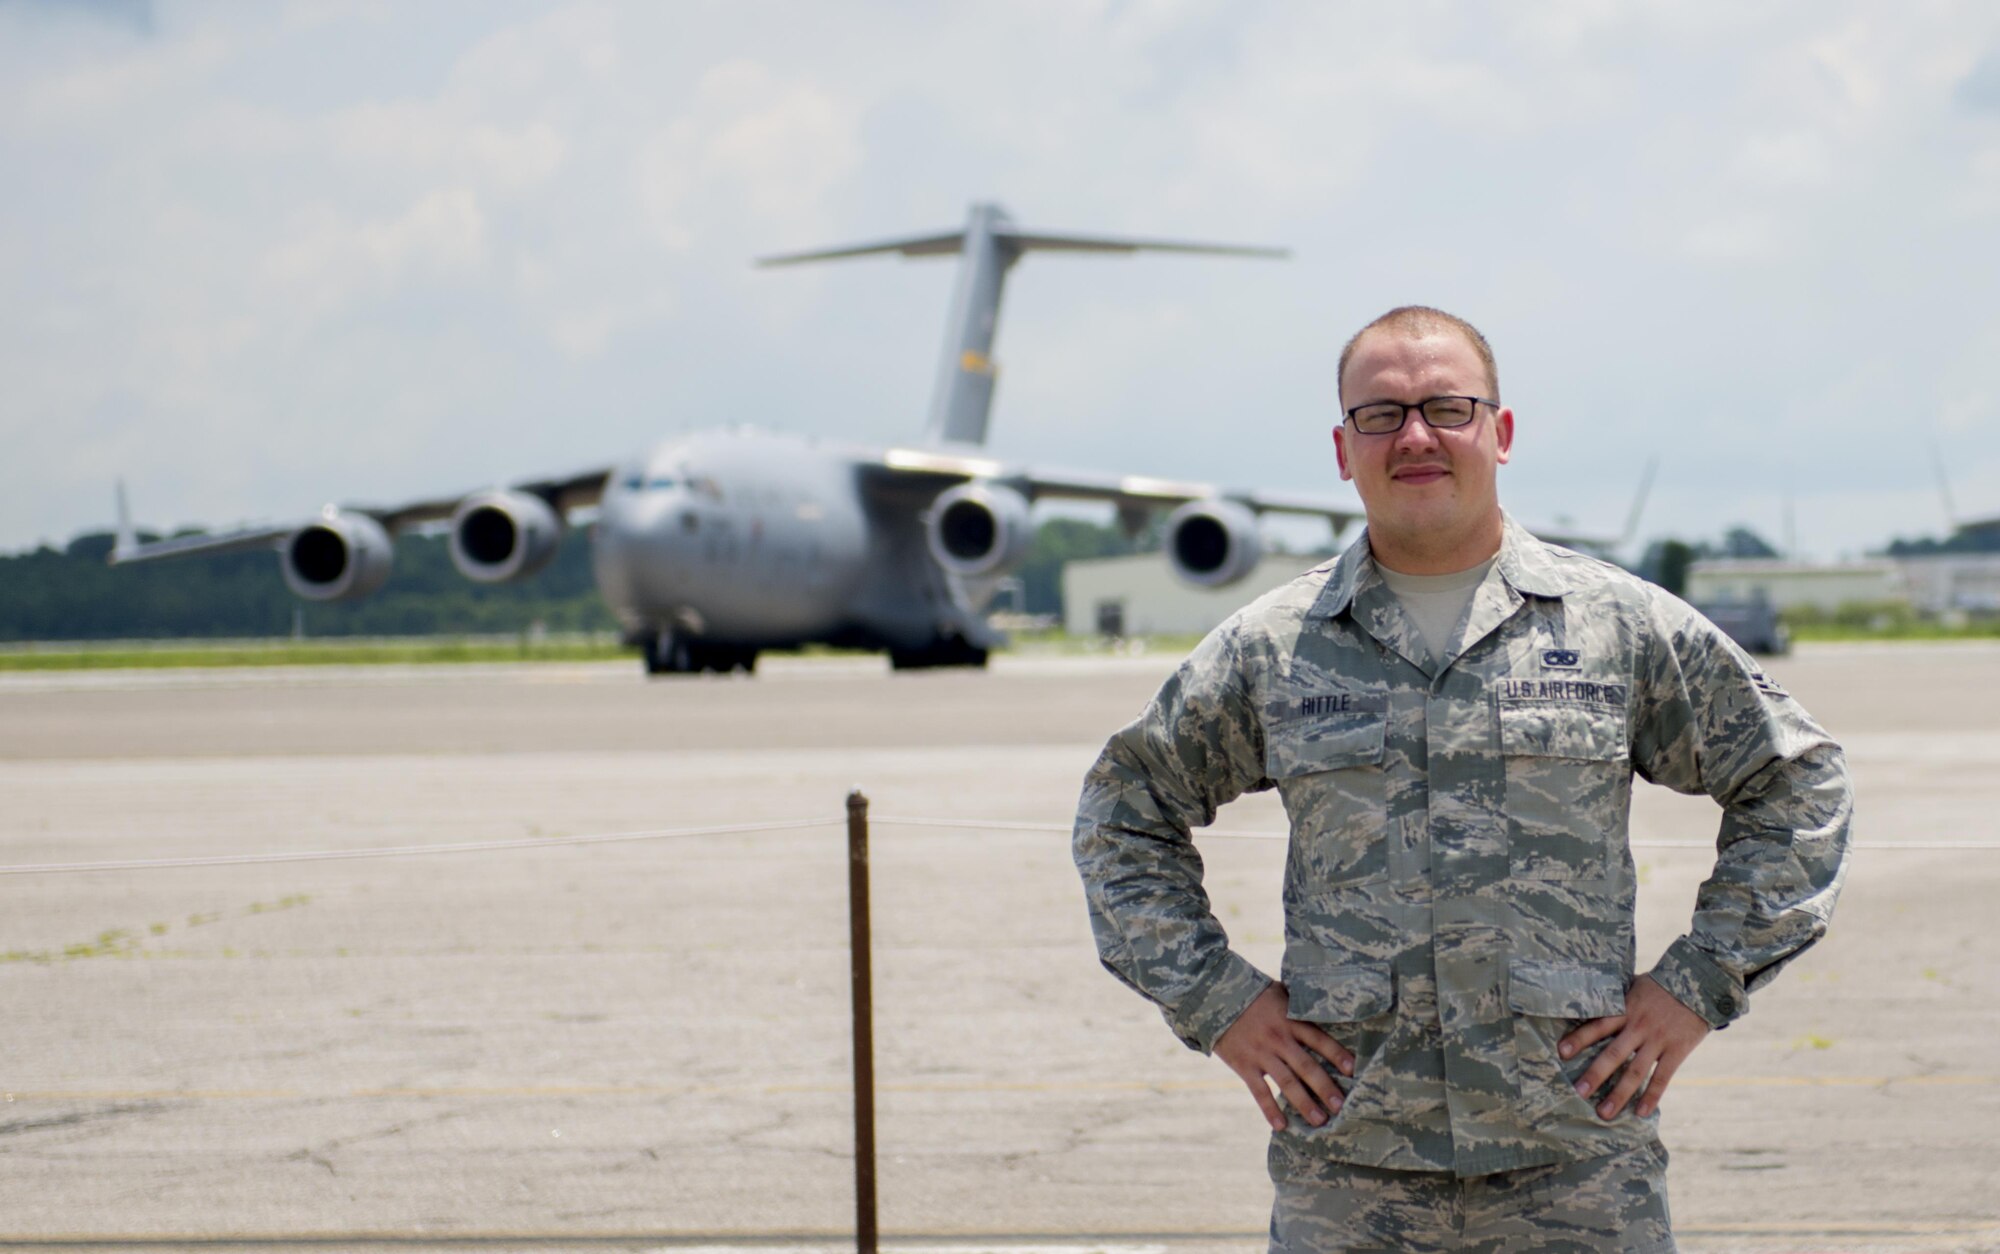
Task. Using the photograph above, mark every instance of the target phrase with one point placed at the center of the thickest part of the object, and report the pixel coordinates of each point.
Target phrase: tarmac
(644, 1043)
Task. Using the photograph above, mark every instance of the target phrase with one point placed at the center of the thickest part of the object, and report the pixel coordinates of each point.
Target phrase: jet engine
(1213, 542)
(978, 529)
(500, 536)
(337, 557)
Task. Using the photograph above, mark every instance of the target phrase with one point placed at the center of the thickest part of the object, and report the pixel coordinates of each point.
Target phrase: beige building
(1141, 596)
(1962, 582)
(1785, 584)
(1942, 583)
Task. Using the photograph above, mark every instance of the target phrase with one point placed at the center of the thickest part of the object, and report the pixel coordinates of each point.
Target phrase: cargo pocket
(1549, 1001)
(1348, 993)
(1355, 1004)
(1329, 770)
(1568, 780)
(1554, 990)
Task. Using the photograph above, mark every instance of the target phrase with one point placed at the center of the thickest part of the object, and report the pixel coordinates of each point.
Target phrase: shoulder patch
(1766, 684)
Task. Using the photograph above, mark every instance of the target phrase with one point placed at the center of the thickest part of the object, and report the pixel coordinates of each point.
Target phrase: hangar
(1139, 595)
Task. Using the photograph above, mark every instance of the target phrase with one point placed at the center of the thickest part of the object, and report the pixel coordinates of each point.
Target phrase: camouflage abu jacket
(1459, 891)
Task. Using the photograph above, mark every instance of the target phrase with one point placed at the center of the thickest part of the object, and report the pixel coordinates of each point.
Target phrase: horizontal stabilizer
(1020, 241)
(1035, 241)
(915, 246)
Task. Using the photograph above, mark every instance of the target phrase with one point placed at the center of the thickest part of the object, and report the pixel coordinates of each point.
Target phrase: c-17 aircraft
(713, 547)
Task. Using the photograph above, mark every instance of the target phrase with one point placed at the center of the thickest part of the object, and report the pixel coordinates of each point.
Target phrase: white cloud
(328, 257)
(258, 226)
(1970, 400)
(421, 137)
(1784, 159)
(126, 86)
(1741, 237)
(1848, 59)
(750, 141)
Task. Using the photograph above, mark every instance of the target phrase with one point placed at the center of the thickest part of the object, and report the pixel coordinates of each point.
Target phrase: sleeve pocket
(1564, 991)
(1339, 994)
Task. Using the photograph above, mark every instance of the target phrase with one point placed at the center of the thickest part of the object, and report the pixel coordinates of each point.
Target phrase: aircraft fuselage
(756, 539)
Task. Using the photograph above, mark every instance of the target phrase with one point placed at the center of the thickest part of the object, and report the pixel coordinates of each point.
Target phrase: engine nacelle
(978, 529)
(499, 536)
(1213, 542)
(337, 557)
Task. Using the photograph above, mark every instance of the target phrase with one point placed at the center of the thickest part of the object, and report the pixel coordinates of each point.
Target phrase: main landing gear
(671, 653)
(953, 651)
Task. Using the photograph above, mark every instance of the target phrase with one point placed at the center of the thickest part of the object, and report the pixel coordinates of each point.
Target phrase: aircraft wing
(562, 493)
(1594, 543)
(570, 492)
(1127, 492)
(129, 550)
(1140, 494)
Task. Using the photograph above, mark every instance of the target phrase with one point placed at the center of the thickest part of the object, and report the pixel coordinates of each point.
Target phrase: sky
(256, 258)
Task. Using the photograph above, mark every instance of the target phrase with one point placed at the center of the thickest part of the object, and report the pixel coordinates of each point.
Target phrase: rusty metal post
(865, 1234)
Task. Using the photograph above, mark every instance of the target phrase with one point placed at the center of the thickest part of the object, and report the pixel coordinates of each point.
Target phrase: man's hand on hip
(1650, 1041)
(1265, 1041)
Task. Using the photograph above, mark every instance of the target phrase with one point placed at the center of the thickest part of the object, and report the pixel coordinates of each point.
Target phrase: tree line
(72, 594)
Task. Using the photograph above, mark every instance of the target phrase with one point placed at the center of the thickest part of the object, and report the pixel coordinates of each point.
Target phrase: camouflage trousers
(1614, 1203)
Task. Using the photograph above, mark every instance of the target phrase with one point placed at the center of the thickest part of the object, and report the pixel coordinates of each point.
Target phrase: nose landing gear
(676, 653)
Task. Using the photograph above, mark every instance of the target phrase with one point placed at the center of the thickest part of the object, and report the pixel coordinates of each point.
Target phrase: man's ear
(1503, 433)
(1340, 452)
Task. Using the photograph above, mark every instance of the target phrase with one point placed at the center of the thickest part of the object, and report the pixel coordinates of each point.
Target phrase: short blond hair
(1417, 320)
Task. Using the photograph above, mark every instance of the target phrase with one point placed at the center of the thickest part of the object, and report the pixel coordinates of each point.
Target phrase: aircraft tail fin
(990, 244)
(1639, 503)
(128, 539)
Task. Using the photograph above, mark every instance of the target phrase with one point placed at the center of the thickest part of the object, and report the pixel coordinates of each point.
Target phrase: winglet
(1944, 486)
(128, 539)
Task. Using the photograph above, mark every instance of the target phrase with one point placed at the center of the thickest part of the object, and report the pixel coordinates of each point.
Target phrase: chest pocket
(1329, 768)
(1568, 784)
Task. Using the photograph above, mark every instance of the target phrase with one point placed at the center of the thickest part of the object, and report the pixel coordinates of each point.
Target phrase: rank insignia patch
(1767, 684)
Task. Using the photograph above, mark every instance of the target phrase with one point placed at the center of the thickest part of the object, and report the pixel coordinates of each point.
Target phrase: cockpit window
(636, 481)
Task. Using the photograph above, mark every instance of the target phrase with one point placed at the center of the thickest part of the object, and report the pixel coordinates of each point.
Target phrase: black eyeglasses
(1388, 417)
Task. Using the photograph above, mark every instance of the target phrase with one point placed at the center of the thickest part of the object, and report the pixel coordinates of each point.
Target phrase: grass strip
(1835, 633)
(321, 653)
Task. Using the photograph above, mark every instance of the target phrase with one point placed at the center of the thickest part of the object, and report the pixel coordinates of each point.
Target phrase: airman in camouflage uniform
(1459, 891)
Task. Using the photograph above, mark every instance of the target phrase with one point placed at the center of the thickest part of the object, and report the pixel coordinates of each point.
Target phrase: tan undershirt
(1436, 603)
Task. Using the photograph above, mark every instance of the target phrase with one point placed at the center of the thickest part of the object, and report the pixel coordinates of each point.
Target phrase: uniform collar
(1527, 564)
